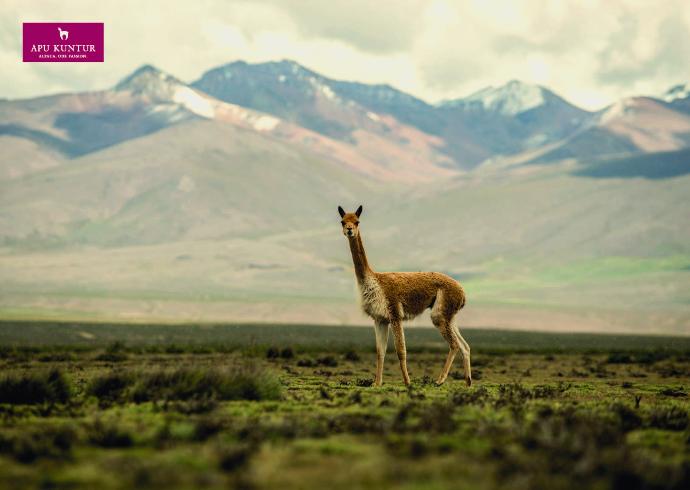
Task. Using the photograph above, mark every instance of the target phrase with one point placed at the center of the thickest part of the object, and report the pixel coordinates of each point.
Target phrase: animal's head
(350, 222)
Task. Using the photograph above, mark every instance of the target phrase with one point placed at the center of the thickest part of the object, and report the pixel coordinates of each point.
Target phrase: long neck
(359, 258)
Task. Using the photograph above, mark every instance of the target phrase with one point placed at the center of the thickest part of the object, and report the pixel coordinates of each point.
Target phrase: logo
(66, 42)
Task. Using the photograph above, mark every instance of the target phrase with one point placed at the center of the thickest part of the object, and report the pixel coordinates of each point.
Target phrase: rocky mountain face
(495, 122)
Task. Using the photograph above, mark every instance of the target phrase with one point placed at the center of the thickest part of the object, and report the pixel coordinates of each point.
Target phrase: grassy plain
(292, 406)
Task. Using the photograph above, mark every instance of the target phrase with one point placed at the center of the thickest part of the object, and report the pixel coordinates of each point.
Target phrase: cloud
(590, 51)
(375, 27)
(633, 53)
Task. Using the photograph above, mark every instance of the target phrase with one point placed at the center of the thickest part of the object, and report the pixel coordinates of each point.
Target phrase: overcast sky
(589, 51)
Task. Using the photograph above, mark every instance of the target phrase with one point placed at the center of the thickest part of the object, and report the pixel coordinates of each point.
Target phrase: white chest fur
(373, 301)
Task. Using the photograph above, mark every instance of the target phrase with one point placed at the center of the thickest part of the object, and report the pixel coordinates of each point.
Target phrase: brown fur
(391, 297)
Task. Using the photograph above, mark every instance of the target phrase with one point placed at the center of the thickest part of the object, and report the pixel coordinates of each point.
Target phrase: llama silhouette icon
(63, 34)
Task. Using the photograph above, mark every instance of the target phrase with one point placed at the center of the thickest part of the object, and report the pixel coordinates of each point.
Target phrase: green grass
(198, 406)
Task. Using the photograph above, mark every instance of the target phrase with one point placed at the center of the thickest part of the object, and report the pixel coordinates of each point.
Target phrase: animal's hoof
(440, 381)
(468, 381)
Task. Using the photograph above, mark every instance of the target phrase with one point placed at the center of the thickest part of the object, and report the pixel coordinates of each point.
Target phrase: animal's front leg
(401, 349)
(381, 328)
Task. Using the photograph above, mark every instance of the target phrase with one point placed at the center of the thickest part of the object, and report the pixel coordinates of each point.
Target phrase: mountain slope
(516, 116)
(631, 126)
(200, 180)
(662, 165)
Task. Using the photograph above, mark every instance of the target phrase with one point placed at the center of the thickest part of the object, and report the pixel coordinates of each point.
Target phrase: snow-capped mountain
(497, 120)
(284, 89)
(513, 98)
(173, 99)
(332, 109)
(515, 117)
(161, 87)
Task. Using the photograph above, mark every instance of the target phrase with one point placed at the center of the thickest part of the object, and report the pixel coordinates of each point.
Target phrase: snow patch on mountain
(510, 99)
(167, 91)
(681, 91)
(193, 101)
(265, 123)
(326, 90)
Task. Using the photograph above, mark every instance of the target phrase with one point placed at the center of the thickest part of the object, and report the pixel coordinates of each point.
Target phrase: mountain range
(214, 200)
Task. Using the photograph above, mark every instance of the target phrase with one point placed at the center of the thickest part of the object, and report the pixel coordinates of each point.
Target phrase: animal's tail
(462, 303)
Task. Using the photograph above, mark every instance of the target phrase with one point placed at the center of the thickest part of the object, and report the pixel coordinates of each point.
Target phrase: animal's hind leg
(465, 348)
(454, 346)
(442, 316)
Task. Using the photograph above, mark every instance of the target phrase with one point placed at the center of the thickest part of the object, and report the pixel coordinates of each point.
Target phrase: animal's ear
(340, 210)
(359, 211)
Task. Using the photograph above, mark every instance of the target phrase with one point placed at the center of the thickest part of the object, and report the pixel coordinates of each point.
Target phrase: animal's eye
(356, 223)
(342, 223)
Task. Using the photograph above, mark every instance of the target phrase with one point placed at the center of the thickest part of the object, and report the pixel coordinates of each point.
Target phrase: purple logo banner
(63, 42)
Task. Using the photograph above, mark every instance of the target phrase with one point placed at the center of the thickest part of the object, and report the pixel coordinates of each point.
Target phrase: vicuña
(391, 297)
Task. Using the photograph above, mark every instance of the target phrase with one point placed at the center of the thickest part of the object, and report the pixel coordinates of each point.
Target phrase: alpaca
(391, 297)
(63, 34)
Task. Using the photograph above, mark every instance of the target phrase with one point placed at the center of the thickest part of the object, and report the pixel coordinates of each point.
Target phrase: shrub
(207, 427)
(273, 353)
(193, 406)
(673, 392)
(410, 447)
(43, 442)
(111, 386)
(670, 418)
(438, 418)
(358, 423)
(287, 353)
(512, 394)
(470, 397)
(109, 435)
(240, 383)
(234, 457)
(516, 394)
(56, 357)
(629, 419)
(34, 388)
(328, 361)
(620, 358)
(352, 355)
(113, 353)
